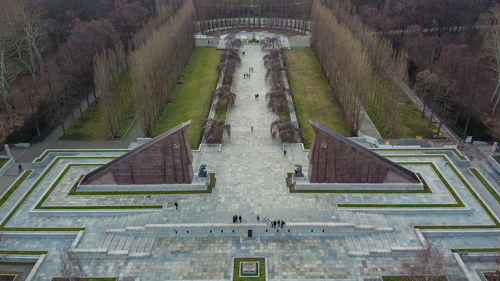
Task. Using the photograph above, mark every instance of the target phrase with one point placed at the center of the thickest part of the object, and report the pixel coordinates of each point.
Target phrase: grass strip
(483, 181)
(84, 279)
(39, 159)
(23, 252)
(476, 250)
(14, 187)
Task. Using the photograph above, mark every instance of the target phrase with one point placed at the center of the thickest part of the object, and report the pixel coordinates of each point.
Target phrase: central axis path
(251, 169)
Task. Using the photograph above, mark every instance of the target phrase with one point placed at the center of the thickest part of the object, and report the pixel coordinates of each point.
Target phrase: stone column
(494, 148)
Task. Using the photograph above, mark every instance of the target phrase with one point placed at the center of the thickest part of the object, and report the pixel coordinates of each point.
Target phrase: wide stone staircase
(401, 238)
(126, 244)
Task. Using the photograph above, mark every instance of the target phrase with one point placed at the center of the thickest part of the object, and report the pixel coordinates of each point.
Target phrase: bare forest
(57, 54)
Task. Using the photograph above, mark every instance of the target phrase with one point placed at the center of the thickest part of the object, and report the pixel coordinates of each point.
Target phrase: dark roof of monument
(135, 151)
(364, 150)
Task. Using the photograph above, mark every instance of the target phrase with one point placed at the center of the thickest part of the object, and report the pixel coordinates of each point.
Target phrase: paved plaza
(328, 235)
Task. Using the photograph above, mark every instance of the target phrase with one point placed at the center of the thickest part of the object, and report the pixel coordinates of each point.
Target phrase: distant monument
(334, 158)
(166, 159)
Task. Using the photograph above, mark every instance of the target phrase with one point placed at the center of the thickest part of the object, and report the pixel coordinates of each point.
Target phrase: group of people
(236, 218)
(247, 75)
(277, 224)
(273, 223)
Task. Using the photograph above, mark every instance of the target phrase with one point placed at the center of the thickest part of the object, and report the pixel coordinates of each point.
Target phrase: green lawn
(192, 98)
(313, 98)
(262, 269)
(90, 126)
(409, 121)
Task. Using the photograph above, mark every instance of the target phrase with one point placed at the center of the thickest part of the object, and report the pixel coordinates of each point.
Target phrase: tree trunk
(467, 124)
(63, 129)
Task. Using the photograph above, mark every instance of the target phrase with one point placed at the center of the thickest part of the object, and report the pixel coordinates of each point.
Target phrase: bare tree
(492, 48)
(212, 130)
(286, 130)
(428, 266)
(226, 97)
(276, 98)
(71, 266)
(10, 25)
(29, 51)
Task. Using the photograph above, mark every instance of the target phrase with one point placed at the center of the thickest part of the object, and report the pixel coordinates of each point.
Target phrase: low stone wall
(7, 166)
(303, 183)
(258, 230)
(494, 162)
(300, 41)
(197, 185)
(210, 42)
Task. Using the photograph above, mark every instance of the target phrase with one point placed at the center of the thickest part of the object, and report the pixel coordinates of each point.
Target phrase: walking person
(239, 218)
(251, 127)
(284, 152)
(279, 223)
(258, 218)
(176, 205)
(282, 223)
(20, 168)
(234, 218)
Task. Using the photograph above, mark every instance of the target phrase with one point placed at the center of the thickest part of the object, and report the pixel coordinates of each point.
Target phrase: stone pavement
(169, 244)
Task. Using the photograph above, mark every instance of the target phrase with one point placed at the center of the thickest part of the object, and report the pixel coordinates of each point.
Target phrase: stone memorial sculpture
(202, 173)
(298, 171)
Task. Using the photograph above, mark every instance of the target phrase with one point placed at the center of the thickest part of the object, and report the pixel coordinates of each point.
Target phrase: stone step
(113, 243)
(107, 241)
(128, 243)
(135, 245)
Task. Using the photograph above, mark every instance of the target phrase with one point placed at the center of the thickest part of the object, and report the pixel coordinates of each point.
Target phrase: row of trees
(277, 97)
(112, 76)
(215, 15)
(345, 62)
(157, 65)
(115, 101)
(212, 130)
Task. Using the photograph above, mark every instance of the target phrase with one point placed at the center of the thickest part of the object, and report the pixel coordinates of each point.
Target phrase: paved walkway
(250, 170)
